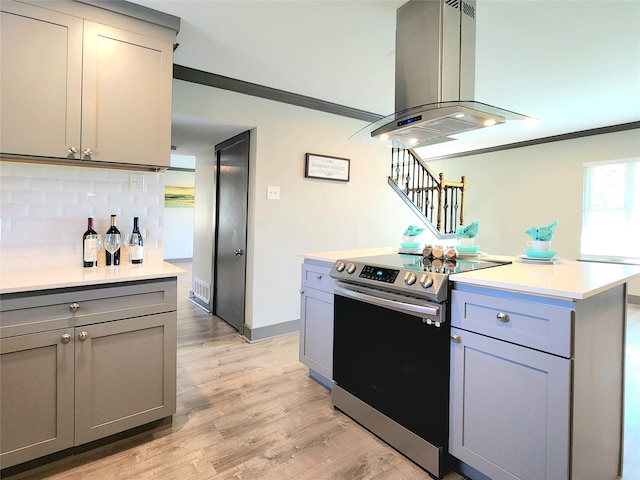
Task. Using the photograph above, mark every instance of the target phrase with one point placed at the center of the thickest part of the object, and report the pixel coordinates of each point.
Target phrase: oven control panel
(387, 275)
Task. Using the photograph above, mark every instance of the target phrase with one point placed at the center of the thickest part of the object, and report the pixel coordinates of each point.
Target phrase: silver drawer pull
(66, 338)
(503, 317)
(319, 277)
(74, 307)
(456, 338)
(82, 336)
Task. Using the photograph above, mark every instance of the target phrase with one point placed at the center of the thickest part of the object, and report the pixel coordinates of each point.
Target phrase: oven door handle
(403, 307)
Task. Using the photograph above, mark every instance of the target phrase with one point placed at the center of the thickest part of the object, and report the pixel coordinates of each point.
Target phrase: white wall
(178, 221)
(312, 215)
(44, 210)
(512, 190)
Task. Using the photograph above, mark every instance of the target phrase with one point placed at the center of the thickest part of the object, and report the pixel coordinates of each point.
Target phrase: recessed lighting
(384, 136)
(413, 141)
(489, 122)
(459, 115)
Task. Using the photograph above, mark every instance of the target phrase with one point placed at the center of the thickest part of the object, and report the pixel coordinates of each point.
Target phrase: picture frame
(179, 196)
(325, 167)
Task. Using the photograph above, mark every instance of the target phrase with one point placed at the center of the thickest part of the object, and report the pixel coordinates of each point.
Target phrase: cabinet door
(316, 331)
(126, 104)
(125, 375)
(36, 395)
(509, 409)
(40, 78)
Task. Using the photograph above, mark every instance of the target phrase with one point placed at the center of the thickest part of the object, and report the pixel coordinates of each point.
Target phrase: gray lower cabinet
(536, 384)
(316, 320)
(110, 368)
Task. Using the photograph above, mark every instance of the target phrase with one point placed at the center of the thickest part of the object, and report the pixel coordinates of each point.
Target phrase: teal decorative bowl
(410, 245)
(467, 248)
(531, 253)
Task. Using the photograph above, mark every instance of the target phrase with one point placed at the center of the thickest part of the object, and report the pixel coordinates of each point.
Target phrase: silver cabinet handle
(72, 150)
(74, 307)
(456, 338)
(66, 338)
(87, 152)
(503, 317)
(239, 252)
(82, 336)
(319, 277)
(301, 292)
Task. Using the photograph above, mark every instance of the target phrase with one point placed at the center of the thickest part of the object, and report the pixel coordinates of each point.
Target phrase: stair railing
(438, 202)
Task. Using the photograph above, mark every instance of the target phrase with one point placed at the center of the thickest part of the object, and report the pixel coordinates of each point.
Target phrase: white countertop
(334, 255)
(45, 279)
(564, 279)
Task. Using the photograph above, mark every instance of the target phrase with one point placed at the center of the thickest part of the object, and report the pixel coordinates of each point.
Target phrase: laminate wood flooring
(250, 411)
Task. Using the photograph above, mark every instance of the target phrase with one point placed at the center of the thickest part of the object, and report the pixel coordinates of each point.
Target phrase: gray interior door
(231, 230)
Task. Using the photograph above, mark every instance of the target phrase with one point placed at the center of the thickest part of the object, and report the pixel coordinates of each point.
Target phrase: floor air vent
(201, 290)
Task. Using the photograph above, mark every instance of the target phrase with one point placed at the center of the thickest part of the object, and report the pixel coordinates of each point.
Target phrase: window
(611, 210)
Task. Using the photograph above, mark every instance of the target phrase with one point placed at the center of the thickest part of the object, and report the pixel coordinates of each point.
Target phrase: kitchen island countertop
(564, 279)
(334, 255)
(36, 279)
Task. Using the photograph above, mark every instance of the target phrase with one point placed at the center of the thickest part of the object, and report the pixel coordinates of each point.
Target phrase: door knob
(82, 336)
(87, 152)
(238, 252)
(74, 307)
(66, 338)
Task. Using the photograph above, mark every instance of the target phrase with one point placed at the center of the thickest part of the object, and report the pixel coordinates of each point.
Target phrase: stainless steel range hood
(435, 78)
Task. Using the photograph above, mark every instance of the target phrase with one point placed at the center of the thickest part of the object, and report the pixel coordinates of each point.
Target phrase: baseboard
(270, 331)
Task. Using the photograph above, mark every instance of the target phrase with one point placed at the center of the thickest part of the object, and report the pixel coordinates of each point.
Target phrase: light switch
(136, 183)
(273, 192)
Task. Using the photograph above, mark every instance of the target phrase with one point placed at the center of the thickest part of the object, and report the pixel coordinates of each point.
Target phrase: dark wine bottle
(115, 258)
(136, 249)
(90, 246)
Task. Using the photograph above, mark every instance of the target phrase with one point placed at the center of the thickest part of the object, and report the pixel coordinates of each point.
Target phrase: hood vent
(435, 78)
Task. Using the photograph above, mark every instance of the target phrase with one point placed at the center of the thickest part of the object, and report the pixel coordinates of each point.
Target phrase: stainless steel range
(391, 350)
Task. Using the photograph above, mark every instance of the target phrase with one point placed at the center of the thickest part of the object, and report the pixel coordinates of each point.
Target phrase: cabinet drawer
(317, 276)
(534, 325)
(30, 312)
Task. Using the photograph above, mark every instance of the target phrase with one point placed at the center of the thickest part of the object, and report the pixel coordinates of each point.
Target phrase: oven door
(389, 354)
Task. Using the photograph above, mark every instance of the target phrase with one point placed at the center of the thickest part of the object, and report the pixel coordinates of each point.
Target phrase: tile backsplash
(44, 210)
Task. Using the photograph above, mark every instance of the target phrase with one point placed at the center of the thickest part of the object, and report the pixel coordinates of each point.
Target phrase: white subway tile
(30, 170)
(9, 210)
(80, 186)
(119, 199)
(110, 187)
(62, 172)
(94, 200)
(14, 183)
(27, 197)
(12, 236)
(62, 198)
(90, 173)
(46, 210)
(45, 184)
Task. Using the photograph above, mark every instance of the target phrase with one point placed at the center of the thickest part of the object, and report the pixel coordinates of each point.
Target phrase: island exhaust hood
(435, 78)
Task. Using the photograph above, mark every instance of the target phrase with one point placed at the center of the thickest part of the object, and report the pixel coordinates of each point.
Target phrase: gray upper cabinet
(107, 94)
(38, 117)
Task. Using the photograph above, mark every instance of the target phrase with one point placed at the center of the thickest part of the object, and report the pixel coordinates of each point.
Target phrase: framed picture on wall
(179, 196)
(326, 168)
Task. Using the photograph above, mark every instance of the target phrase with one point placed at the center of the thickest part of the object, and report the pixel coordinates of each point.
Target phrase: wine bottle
(136, 249)
(90, 246)
(115, 258)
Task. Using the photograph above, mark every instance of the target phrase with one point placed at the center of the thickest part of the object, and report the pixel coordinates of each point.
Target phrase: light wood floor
(250, 411)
